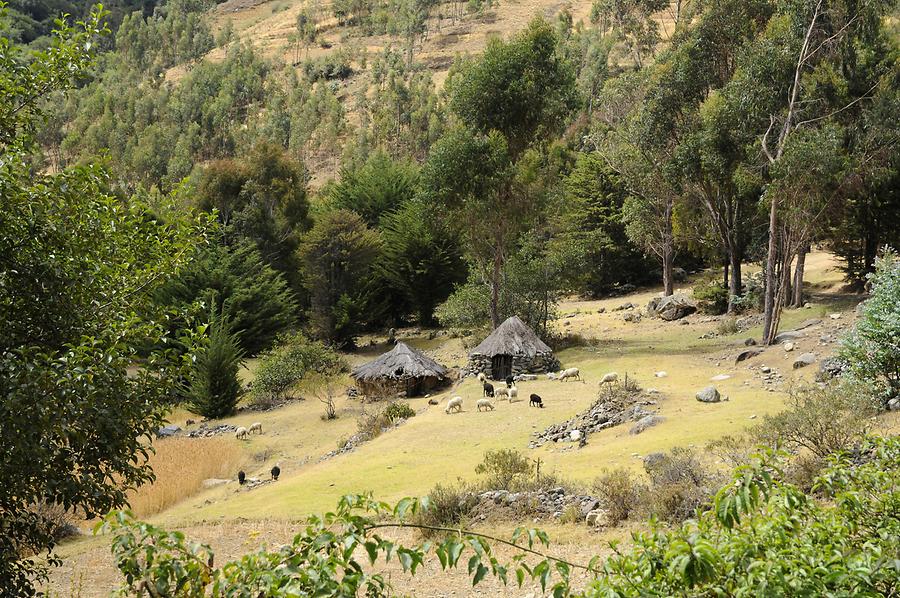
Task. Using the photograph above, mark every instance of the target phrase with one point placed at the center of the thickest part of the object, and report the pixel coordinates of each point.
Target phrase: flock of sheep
(511, 393)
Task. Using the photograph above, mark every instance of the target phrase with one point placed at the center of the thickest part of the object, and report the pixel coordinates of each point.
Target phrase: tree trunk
(771, 284)
(735, 284)
(495, 288)
(668, 278)
(797, 296)
(725, 273)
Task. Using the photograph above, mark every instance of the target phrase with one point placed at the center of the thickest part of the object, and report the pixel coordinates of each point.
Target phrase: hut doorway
(501, 367)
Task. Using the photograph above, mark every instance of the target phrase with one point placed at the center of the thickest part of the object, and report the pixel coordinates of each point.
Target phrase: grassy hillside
(435, 447)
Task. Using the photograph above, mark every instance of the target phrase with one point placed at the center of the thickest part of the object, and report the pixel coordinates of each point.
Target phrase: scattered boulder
(645, 423)
(166, 431)
(808, 323)
(830, 367)
(720, 377)
(597, 518)
(893, 404)
(788, 347)
(835, 316)
(804, 360)
(213, 482)
(652, 460)
(745, 355)
(750, 342)
(632, 317)
(575, 435)
(679, 274)
(673, 307)
(602, 310)
(661, 374)
(709, 395)
(787, 335)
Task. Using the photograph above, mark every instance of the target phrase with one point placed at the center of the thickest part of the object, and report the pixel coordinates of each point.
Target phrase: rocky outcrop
(204, 431)
(673, 307)
(604, 413)
(804, 360)
(830, 367)
(709, 395)
(645, 423)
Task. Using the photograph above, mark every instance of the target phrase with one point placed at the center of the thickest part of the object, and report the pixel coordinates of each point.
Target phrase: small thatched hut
(513, 348)
(400, 370)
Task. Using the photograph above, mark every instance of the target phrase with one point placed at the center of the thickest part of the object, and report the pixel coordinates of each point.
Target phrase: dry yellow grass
(181, 465)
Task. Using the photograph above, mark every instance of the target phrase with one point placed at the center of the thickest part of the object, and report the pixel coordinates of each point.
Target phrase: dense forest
(158, 201)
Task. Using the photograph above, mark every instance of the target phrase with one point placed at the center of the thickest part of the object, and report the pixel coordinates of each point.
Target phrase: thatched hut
(401, 371)
(513, 348)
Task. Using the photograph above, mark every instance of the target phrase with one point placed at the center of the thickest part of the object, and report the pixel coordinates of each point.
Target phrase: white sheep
(523, 377)
(569, 373)
(551, 376)
(609, 378)
(481, 377)
(455, 404)
(513, 393)
(241, 433)
(255, 427)
(501, 392)
(486, 403)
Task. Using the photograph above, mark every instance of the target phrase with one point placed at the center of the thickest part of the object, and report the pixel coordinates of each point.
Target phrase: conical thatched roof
(400, 363)
(512, 337)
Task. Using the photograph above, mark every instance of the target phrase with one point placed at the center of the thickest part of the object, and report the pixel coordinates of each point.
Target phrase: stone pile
(604, 413)
(204, 431)
(541, 503)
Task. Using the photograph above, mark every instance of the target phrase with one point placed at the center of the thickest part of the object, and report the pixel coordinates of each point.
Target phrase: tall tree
(78, 266)
(512, 97)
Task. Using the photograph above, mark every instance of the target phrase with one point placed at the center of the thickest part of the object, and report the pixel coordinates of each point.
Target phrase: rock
(189, 422)
(646, 423)
(835, 316)
(632, 317)
(661, 374)
(575, 435)
(808, 323)
(753, 416)
(788, 347)
(213, 482)
(652, 460)
(720, 377)
(679, 274)
(592, 504)
(433, 401)
(673, 307)
(745, 355)
(830, 367)
(602, 310)
(788, 335)
(652, 391)
(765, 369)
(804, 360)
(167, 431)
(597, 518)
(749, 342)
(709, 395)
(893, 404)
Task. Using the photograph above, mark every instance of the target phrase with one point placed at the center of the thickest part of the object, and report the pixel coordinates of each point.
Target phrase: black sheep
(242, 477)
(536, 401)
(488, 390)
(509, 381)
(276, 471)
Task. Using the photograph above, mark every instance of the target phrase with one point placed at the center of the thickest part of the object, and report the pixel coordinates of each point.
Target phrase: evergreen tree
(214, 388)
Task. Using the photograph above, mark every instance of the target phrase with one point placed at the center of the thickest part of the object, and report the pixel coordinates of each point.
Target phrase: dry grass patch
(181, 465)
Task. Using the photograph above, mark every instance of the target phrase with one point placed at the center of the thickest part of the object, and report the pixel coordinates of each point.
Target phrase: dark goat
(276, 471)
(535, 401)
(509, 381)
(242, 477)
(488, 390)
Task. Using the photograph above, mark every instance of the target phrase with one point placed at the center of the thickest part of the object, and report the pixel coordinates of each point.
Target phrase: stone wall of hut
(540, 363)
(391, 388)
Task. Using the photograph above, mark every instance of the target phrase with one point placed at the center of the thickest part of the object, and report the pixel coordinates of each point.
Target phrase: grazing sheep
(455, 404)
(255, 427)
(241, 433)
(509, 381)
(276, 471)
(486, 403)
(487, 389)
(569, 373)
(609, 378)
(501, 393)
(535, 401)
(481, 377)
(523, 377)
(513, 393)
(242, 477)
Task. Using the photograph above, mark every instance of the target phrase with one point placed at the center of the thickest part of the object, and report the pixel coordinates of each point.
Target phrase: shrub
(503, 468)
(679, 485)
(619, 493)
(399, 410)
(821, 419)
(727, 326)
(448, 506)
(712, 297)
(752, 297)
(282, 368)
(214, 388)
(56, 520)
(335, 65)
(872, 350)
(371, 425)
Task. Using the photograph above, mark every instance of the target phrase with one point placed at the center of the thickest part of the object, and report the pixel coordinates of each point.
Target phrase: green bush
(399, 410)
(372, 424)
(504, 468)
(448, 506)
(712, 297)
(214, 388)
(619, 493)
(728, 326)
(282, 368)
(752, 297)
(335, 65)
(872, 350)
